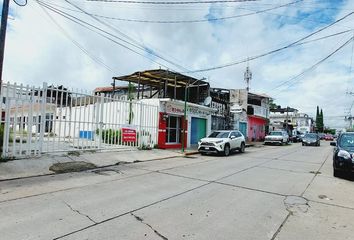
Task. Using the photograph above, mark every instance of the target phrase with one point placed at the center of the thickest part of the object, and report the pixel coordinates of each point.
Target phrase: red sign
(128, 135)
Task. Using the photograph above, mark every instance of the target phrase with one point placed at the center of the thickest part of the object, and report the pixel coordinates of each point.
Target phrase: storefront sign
(179, 110)
(128, 135)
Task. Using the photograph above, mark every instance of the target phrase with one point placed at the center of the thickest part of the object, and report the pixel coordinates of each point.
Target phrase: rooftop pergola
(167, 83)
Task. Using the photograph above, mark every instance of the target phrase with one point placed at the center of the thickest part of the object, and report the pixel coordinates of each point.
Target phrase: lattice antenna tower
(248, 77)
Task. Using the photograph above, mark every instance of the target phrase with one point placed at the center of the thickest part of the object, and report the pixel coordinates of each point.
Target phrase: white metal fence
(51, 119)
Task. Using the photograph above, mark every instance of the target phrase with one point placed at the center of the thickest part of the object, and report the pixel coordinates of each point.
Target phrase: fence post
(5, 149)
(43, 117)
(140, 144)
(100, 117)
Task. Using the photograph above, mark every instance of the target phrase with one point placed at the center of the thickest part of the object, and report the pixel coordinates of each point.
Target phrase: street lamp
(185, 111)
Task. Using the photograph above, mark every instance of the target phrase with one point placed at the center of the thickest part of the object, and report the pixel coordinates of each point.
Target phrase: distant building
(249, 113)
(290, 119)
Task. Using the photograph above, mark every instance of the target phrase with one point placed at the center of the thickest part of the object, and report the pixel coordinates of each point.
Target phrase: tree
(130, 98)
(320, 126)
(318, 118)
(272, 105)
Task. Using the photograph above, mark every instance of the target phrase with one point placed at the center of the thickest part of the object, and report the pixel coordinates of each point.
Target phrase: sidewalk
(40, 166)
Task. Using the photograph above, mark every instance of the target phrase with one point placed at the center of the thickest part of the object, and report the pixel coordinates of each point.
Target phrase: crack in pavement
(80, 213)
(71, 188)
(134, 210)
(139, 219)
(300, 203)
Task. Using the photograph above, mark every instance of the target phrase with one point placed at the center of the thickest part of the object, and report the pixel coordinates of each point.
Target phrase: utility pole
(4, 15)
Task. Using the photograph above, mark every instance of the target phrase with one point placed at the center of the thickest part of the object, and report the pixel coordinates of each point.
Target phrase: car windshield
(311, 135)
(276, 133)
(219, 135)
(347, 140)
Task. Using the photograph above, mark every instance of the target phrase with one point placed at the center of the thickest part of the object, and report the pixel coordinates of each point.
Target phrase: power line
(77, 44)
(293, 79)
(96, 30)
(195, 20)
(272, 51)
(171, 2)
(151, 51)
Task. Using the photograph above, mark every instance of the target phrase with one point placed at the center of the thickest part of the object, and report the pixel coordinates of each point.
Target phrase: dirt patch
(71, 167)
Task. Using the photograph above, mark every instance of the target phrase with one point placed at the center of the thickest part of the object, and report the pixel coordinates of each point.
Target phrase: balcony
(258, 111)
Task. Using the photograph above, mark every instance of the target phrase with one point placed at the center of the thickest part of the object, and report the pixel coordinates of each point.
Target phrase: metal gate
(51, 119)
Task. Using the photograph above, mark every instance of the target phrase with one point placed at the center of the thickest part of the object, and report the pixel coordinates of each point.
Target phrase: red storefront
(171, 124)
(256, 128)
(171, 131)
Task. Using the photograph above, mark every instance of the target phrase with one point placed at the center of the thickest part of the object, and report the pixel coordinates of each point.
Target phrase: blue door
(198, 129)
(243, 128)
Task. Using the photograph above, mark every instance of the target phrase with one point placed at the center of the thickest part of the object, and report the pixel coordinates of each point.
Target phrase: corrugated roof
(158, 77)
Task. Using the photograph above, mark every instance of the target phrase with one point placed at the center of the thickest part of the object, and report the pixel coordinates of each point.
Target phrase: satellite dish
(207, 101)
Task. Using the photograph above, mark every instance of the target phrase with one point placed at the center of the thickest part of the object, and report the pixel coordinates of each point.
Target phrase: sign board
(179, 110)
(128, 135)
(236, 109)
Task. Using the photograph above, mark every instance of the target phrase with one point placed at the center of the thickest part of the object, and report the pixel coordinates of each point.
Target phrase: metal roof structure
(160, 77)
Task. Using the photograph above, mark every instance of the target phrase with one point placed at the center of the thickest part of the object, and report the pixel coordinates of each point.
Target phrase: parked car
(322, 136)
(343, 161)
(329, 137)
(222, 142)
(296, 138)
(311, 139)
(280, 137)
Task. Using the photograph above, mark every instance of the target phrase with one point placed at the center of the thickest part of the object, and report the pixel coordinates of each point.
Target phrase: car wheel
(242, 148)
(226, 150)
(303, 144)
(336, 173)
(202, 153)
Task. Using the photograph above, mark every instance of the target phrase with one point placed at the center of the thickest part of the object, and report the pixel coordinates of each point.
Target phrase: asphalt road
(271, 192)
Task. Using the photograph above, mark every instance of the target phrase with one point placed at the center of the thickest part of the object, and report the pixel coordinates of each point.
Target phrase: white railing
(260, 111)
(54, 119)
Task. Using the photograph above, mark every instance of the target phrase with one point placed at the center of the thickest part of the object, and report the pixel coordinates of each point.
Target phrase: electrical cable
(272, 51)
(172, 2)
(77, 44)
(95, 30)
(151, 51)
(21, 5)
(195, 20)
(295, 79)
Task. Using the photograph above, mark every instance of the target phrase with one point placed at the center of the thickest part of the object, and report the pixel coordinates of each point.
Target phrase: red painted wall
(256, 128)
(162, 135)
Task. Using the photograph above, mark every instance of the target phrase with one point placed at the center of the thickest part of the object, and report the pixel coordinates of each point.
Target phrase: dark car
(343, 161)
(311, 139)
(296, 137)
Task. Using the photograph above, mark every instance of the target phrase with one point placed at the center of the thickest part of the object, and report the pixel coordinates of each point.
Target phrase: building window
(173, 129)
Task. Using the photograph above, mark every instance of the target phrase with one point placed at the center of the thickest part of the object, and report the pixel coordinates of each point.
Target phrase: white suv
(222, 142)
(280, 137)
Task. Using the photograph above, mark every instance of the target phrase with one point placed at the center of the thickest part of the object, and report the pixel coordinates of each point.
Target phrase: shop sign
(128, 135)
(179, 110)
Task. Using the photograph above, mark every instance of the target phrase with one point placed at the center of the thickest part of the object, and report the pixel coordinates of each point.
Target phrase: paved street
(270, 192)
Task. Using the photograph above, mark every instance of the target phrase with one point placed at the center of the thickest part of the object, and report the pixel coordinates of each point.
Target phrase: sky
(43, 46)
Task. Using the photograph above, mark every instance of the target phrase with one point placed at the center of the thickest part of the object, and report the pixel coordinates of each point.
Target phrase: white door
(233, 140)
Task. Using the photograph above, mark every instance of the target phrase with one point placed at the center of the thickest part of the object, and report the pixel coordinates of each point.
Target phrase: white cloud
(36, 51)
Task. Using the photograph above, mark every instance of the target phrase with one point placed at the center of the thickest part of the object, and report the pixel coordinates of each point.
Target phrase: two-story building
(290, 119)
(257, 116)
(249, 113)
